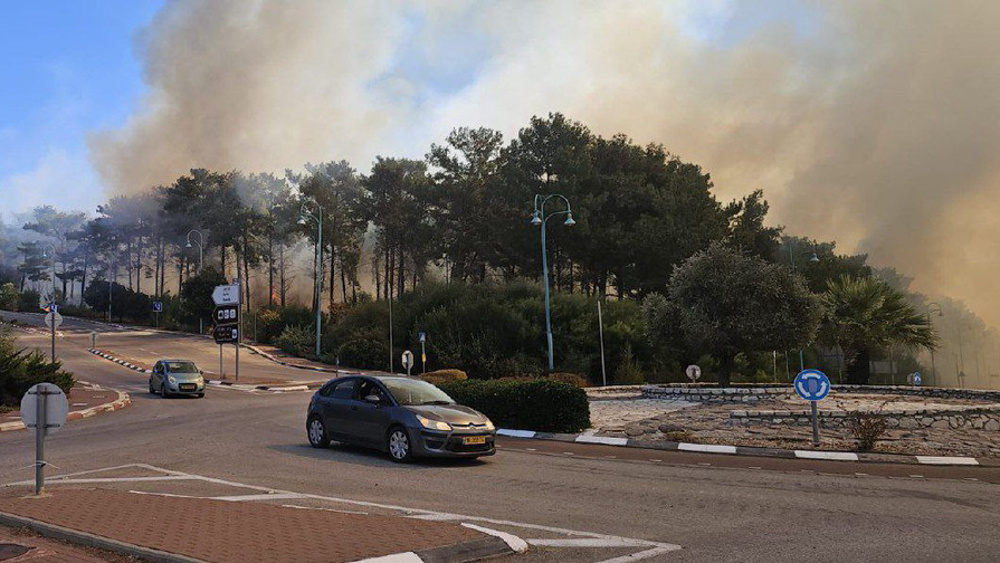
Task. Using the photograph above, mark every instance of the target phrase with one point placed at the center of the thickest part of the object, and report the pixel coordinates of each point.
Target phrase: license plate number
(473, 440)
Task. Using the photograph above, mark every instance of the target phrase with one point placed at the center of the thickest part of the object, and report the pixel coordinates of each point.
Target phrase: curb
(492, 546)
(744, 450)
(83, 538)
(106, 356)
(123, 401)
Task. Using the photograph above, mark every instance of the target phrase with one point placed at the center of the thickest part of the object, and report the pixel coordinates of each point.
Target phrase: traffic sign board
(53, 318)
(56, 407)
(693, 372)
(812, 385)
(917, 379)
(227, 315)
(226, 294)
(225, 334)
(157, 306)
(422, 337)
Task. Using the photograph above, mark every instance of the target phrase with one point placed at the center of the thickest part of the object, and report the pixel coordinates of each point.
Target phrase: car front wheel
(398, 444)
(317, 433)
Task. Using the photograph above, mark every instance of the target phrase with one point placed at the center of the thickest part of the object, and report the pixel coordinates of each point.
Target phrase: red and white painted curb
(121, 402)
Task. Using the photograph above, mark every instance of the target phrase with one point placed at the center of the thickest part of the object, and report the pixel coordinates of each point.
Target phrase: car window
(181, 367)
(366, 388)
(342, 389)
(416, 392)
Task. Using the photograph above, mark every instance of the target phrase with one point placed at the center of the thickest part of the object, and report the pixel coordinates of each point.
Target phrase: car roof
(176, 360)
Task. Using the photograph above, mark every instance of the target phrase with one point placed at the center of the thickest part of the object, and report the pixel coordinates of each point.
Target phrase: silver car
(176, 377)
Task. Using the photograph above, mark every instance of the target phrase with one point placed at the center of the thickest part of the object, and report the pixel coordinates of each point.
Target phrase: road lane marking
(513, 542)
(244, 498)
(587, 542)
(601, 440)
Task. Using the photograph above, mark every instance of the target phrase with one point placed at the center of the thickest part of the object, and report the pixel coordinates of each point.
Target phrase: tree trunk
(859, 369)
(270, 269)
(281, 250)
(333, 273)
(726, 365)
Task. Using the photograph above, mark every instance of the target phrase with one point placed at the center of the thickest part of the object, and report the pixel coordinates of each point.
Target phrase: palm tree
(866, 312)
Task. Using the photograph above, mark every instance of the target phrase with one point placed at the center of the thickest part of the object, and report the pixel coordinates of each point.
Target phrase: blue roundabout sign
(812, 385)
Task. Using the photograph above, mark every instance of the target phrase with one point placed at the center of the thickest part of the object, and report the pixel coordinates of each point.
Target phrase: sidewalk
(19, 544)
(170, 528)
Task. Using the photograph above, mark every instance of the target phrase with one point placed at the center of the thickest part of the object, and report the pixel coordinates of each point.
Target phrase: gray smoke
(873, 124)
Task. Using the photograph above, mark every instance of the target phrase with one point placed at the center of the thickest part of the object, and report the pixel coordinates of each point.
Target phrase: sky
(873, 124)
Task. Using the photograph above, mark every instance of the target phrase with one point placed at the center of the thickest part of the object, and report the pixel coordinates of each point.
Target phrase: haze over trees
(717, 283)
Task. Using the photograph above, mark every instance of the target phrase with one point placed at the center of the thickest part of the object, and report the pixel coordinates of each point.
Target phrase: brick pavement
(44, 550)
(247, 532)
(85, 400)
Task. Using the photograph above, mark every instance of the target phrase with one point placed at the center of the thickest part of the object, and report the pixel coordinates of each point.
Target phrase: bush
(297, 340)
(29, 301)
(628, 372)
(365, 351)
(442, 376)
(19, 370)
(868, 428)
(9, 297)
(538, 404)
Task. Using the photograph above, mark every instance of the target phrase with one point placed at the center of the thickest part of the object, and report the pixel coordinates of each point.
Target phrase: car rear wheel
(317, 433)
(398, 444)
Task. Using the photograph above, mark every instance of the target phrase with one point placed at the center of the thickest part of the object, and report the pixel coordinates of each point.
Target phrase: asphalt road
(716, 508)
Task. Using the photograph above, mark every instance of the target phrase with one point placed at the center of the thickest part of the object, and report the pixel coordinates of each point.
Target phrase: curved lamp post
(813, 258)
(304, 215)
(52, 310)
(539, 218)
(201, 248)
(933, 307)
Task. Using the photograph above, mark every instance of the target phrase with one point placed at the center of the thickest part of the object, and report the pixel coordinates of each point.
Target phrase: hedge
(444, 376)
(537, 404)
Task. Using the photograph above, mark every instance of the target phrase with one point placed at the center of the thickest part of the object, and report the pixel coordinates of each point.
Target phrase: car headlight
(489, 425)
(434, 424)
(171, 380)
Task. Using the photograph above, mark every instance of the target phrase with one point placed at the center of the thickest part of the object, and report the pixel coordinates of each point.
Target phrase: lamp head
(188, 245)
(814, 259)
(569, 220)
(302, 219)
(536, 218)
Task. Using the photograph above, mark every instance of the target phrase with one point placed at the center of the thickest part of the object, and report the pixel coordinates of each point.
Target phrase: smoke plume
(873, 124)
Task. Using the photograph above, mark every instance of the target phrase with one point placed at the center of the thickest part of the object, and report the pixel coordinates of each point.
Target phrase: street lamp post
(304, 215)
(201, 263)
(539, 218)
(52, 299)
(813, 258)
(933, 307)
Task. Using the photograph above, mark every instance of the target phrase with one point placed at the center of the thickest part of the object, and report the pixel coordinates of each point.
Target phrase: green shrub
(444, 376)
(29, 301)
(538, 404)
(628, 372)
(365, 351)
(297, 340)
(20, 369)
(9, 297)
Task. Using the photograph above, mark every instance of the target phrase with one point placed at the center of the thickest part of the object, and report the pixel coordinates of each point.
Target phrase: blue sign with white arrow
(812, 385)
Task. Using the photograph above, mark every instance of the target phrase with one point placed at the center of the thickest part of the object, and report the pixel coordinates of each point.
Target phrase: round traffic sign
(917, 379)
(407, 359)
(56, 407)
(53, 318)
(693, 372)
(812, 385)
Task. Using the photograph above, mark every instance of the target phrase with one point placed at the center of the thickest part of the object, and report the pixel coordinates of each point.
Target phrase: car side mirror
(373, 399)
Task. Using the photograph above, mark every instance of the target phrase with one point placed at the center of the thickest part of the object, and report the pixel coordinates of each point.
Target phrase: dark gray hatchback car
(404, 416)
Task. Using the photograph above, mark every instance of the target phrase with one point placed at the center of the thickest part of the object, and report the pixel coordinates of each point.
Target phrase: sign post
(407, 361)
(227, 320)
(422, 337)
(53, 320)
(157, 309)
(813, 386)
(43, 408)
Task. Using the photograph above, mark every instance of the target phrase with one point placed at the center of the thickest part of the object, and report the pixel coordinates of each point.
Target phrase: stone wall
(711, 393)
(985, 417)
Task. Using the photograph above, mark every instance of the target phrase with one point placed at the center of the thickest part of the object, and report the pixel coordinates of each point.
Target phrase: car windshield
(181, 367)
(416, 392)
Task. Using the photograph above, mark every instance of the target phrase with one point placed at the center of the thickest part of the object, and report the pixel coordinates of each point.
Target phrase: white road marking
(515, 543)
(405, 557)
(516, 433)
(433, 517)
(244, 498)
(940, 460)
(708, 448)
(643, 554)
(588, 542)
(325, 509)
(833, 456)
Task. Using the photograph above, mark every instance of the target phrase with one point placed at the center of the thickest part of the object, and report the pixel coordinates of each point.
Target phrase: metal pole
(545, 276)
(391, 361)
(600, 324)
(423, 357)
(221, 375)
(201, 265)
(802, 361)
(774, 363)
(239, 325)
(319, 277)
(815, 422)
(41, 418)
(53, 335)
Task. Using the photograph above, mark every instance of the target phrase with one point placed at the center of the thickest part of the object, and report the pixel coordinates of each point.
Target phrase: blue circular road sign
(812, 385)
(916, 378)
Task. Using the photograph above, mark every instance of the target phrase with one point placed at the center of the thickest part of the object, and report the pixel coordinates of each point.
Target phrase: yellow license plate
(473, 440)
